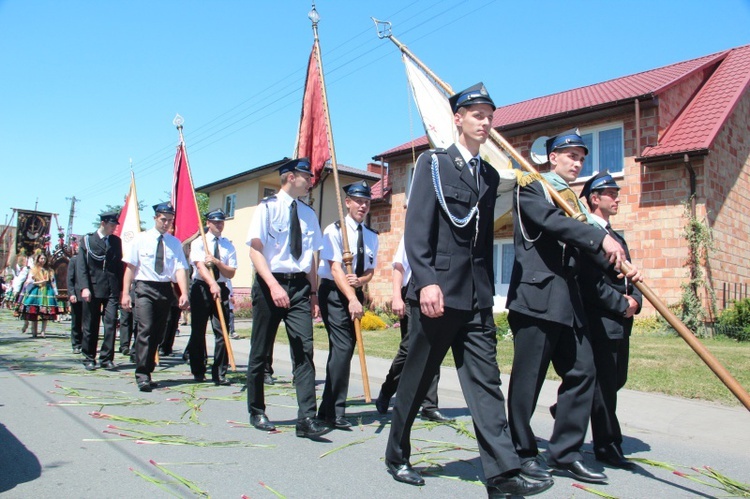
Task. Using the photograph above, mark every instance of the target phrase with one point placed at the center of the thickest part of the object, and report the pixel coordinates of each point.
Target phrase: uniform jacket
(102, 278)
(457, 259)
(73, 290)
(543, 281)
(603, 298)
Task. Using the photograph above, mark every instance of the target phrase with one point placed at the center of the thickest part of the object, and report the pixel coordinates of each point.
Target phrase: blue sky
(86, 85)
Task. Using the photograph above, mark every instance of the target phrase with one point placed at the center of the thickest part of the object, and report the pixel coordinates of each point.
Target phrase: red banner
(187, 219)
(312, 141)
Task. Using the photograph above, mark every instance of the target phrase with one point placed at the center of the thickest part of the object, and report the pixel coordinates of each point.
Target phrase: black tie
(474, 169)
(215, 268)
(295, 233)
(159, 262)
(360, 269)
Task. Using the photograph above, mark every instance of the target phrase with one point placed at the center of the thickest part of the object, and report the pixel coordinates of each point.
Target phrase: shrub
(503, 328)
(371, 322)
(734, 321)
(243, 309)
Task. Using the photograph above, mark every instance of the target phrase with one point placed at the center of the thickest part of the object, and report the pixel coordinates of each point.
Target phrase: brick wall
(728, 200)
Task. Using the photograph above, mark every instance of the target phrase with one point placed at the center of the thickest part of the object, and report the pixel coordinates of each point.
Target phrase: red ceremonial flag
(312, 141)
(187, 219)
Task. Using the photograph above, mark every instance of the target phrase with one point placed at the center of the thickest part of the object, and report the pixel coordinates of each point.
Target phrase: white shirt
(143, 254)
(333, 247)
(400, 257)
(270, 225)
(227, 254)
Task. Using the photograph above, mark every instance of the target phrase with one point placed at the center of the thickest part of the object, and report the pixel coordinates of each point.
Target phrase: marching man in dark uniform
(213, 268)
(283, 238)
(76, 307)
(341, 297)
(99, 278)
(546, 312)
(610, 304)
(448, 238)
(156, 260)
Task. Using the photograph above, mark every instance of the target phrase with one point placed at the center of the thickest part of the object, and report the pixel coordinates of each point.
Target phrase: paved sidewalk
(52, 446)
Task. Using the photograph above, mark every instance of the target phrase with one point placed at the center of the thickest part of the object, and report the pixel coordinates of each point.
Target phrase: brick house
(675, 137)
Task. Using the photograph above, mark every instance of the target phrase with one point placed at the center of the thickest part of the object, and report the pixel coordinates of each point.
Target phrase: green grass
(658, 362)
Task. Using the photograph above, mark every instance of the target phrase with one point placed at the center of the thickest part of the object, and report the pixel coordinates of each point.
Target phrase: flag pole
(347, 254)
(178, 121)
(384, 31)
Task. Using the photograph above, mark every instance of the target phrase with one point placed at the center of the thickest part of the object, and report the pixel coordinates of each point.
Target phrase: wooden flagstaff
(347, 255)
(230, 353)
(384, 31)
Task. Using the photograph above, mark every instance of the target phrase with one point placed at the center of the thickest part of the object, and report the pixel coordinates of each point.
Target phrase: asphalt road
(198, 435)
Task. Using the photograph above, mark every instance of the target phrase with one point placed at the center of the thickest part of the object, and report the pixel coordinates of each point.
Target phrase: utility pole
(70, 218)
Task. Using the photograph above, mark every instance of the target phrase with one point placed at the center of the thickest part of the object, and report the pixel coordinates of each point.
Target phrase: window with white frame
(409, 179)
(606, 150)
(230, 202)
(503, 261)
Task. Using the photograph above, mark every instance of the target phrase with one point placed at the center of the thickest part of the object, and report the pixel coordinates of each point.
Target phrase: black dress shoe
(76, 350)
(199, 379)
(612, 456)
(381, 403)
(144, 386)
(109, 365)
(261, 422)
(268, 380)
(153, 384)
(501, 487)
(340, 423)
(89, 366)
(404, 473)
(581, 472)
(222, 382)
(310, 428)
(125, 350)
(436, 416)
(532, 469)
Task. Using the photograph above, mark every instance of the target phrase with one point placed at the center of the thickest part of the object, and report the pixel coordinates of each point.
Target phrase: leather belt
(288, 276)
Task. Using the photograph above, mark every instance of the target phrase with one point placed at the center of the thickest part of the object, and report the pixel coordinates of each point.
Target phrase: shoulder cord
(458, 222)
(268, 221)
(89, 253)
(520, 218)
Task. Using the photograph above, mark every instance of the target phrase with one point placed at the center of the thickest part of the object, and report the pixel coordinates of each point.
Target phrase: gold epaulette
(525, 179)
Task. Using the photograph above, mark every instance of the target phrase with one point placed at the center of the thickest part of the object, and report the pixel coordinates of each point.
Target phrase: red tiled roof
(644, 84)
(381, 189)
(696, 127)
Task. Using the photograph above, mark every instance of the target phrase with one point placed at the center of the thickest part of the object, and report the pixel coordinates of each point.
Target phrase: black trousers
(536, 343)
(127, 325)
(76, 324)
(390, 385)
(152, 303)
(298, 321)
(171, 330)
(93, 311)
(611, 359)
(472, 337)
(334, 308)
(203, 308)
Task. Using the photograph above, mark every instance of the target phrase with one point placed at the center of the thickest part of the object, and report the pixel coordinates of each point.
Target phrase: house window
(503, 261)
(409, 179)
(268, 191)
(230, 202)
(606, 150)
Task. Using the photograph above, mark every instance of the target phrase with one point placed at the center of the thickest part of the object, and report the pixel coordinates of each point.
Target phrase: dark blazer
(543, 281)
(102, 278)
(603, 295)
(73, 290)
(440, 253)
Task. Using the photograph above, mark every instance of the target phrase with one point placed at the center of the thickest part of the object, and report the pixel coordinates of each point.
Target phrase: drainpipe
(691, 174)
(637, 127)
